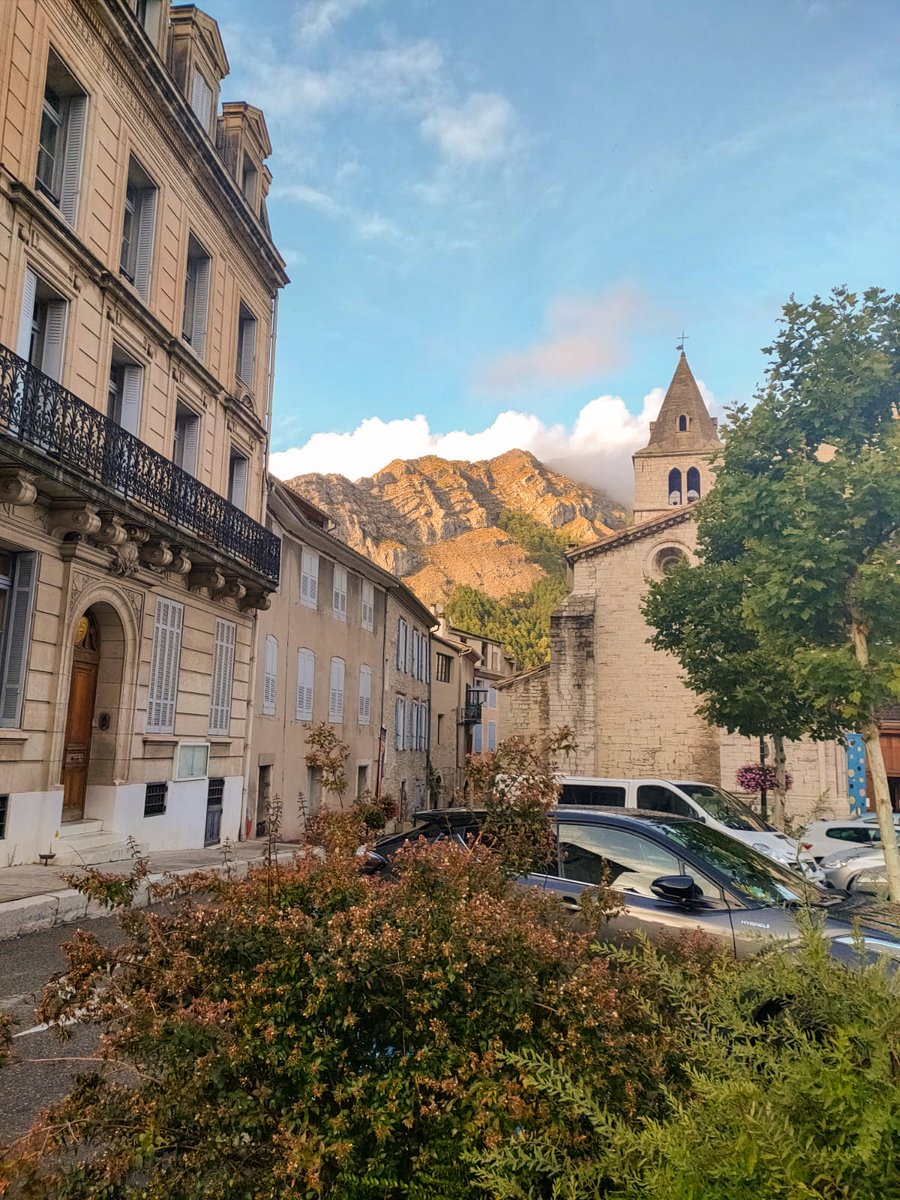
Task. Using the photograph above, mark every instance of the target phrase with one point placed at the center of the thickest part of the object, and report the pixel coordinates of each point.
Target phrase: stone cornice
(633, 534)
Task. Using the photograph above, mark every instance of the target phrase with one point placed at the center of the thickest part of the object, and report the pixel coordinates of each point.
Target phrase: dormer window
(684, 423)
(249, 177)
(201, 99)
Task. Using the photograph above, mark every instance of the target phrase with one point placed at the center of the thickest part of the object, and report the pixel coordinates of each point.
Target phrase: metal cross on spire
(681, 342)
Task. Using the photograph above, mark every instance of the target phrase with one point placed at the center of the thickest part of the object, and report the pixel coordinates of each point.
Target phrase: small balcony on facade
(101, 482)
(476, 698)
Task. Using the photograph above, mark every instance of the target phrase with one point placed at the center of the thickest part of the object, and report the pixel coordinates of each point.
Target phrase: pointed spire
(684, 423)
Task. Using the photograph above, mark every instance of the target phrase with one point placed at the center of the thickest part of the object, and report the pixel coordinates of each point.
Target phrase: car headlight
(837, 860)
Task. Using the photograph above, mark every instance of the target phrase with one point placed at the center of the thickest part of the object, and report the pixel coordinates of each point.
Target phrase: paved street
(30, 1081)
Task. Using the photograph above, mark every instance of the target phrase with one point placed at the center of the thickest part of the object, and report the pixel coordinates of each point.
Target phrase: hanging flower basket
(753, 777)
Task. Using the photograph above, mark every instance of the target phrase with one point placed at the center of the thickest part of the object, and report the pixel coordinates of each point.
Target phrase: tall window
(246, 345)
(309, 579)
(270, 676)
(674, 487)
(399, 723)
(339, 593)
(693, 485)
(185, 447)
(367, 611)
(138, 227)
(42, 326)
(126, 381)
(683, 424)
(61, 147)
(164, 662)
(444, 663)
(196, 297)
(306, 683)
(18, 577)
(237, 479)
(402, 644)
(492, 735)
(336, 691)
(365, 695)
(222, 677)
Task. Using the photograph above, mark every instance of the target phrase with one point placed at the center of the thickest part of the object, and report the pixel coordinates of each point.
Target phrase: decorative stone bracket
(17, 486)
(64, 518)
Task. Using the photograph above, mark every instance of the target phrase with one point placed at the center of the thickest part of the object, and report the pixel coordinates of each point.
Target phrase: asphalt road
(42, 1066)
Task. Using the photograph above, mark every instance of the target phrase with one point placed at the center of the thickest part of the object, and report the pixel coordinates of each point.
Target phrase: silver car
(859, 870)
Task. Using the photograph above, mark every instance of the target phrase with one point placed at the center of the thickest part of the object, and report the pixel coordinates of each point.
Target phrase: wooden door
(80, 719)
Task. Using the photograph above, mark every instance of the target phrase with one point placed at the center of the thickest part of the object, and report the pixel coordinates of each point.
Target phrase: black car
(675, 874)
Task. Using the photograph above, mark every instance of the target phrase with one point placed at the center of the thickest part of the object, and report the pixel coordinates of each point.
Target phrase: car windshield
(759, 878)
(724, 807)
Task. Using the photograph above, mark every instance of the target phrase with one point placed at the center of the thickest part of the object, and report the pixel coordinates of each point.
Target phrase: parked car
(676, 874)
(858, 870)
(686, 798)
(824, 838)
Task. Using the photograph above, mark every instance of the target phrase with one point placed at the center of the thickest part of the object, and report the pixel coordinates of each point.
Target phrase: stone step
(87, 843)
(71, 829)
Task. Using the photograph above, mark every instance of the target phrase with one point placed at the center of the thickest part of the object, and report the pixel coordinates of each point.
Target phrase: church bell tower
(673, 469)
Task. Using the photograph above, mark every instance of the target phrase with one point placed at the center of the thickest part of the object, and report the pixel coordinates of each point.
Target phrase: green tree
(807, 509)
(697, 614)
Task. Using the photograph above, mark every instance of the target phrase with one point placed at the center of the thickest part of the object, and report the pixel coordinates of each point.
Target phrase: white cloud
(480, 130)
(596, 450)
(317, 19)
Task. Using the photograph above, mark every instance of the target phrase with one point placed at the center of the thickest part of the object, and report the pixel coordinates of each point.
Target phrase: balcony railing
(40, 413)
(476, 698)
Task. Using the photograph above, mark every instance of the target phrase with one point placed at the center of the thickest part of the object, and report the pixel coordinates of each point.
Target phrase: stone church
(630, 711)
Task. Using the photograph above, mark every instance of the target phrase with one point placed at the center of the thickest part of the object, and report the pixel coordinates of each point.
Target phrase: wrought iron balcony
(476, 698)
(42, 415)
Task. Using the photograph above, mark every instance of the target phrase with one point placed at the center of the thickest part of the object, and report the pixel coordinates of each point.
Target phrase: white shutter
(163, 691)
(247, 351)
(306, 678)
(201, 306)
(54, 339)
(201, 100)
(413, 651)
(309, 578)
(143, 264)
(339, 593)
(270, 677)
(71, 175)
(399, 723)
(18, 636)
(428, 658)
(26, 314)
(400, 643)
(492, 735)
(368, 605)
(365, 695)
(190, 445)
(409, 739)
(238, 481)
(336, 694)
(427, 726)
(132, 386)
(222, 677)
(476, 739)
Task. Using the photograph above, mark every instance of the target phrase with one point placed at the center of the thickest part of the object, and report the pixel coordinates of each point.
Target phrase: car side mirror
(680, 888)
(373, 863)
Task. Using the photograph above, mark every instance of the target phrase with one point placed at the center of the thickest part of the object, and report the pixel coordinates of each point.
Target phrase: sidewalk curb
(33, 914)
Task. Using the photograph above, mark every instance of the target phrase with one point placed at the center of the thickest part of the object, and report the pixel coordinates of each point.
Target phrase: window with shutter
(18, 581)
(365, 695)
(336, 692)
(399, 723)
(164, 662)
(339, 593)
(306, 679)
(270, 676)
(246, 346)
(409, 739)
(61, 144)
(367, 613)
(186, 443)
(492, 735)
(309, 579)
(51, 358)
(400, 628)
(196, 297)
(26, 315)
(222, 677)
(237, 480)
(476, 739)
(126, 380)
(138, 228)
(201, 100)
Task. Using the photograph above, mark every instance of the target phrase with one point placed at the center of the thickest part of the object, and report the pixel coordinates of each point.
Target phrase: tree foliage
(544, 546)
(520, 621)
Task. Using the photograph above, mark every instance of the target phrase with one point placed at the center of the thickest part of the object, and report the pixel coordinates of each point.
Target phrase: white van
(686, 798)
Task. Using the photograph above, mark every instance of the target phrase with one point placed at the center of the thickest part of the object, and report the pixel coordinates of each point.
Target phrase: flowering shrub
(754, 777)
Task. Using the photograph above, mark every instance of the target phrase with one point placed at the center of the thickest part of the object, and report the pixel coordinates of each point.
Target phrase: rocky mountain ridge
(433, 521)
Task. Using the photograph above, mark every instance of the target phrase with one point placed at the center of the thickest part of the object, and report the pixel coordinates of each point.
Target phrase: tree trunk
(875, 763)
(778, 801)
(763, 794)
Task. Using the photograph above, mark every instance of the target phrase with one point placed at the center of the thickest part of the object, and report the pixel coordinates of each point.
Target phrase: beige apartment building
(455, 709)
(406, 723)
(138, 282)
(493, 665)
(321, 659)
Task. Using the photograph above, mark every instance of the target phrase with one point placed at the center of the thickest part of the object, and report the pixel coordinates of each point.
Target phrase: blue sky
(510, 208)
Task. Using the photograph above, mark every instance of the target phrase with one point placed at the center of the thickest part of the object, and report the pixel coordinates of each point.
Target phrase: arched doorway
(80, 716)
